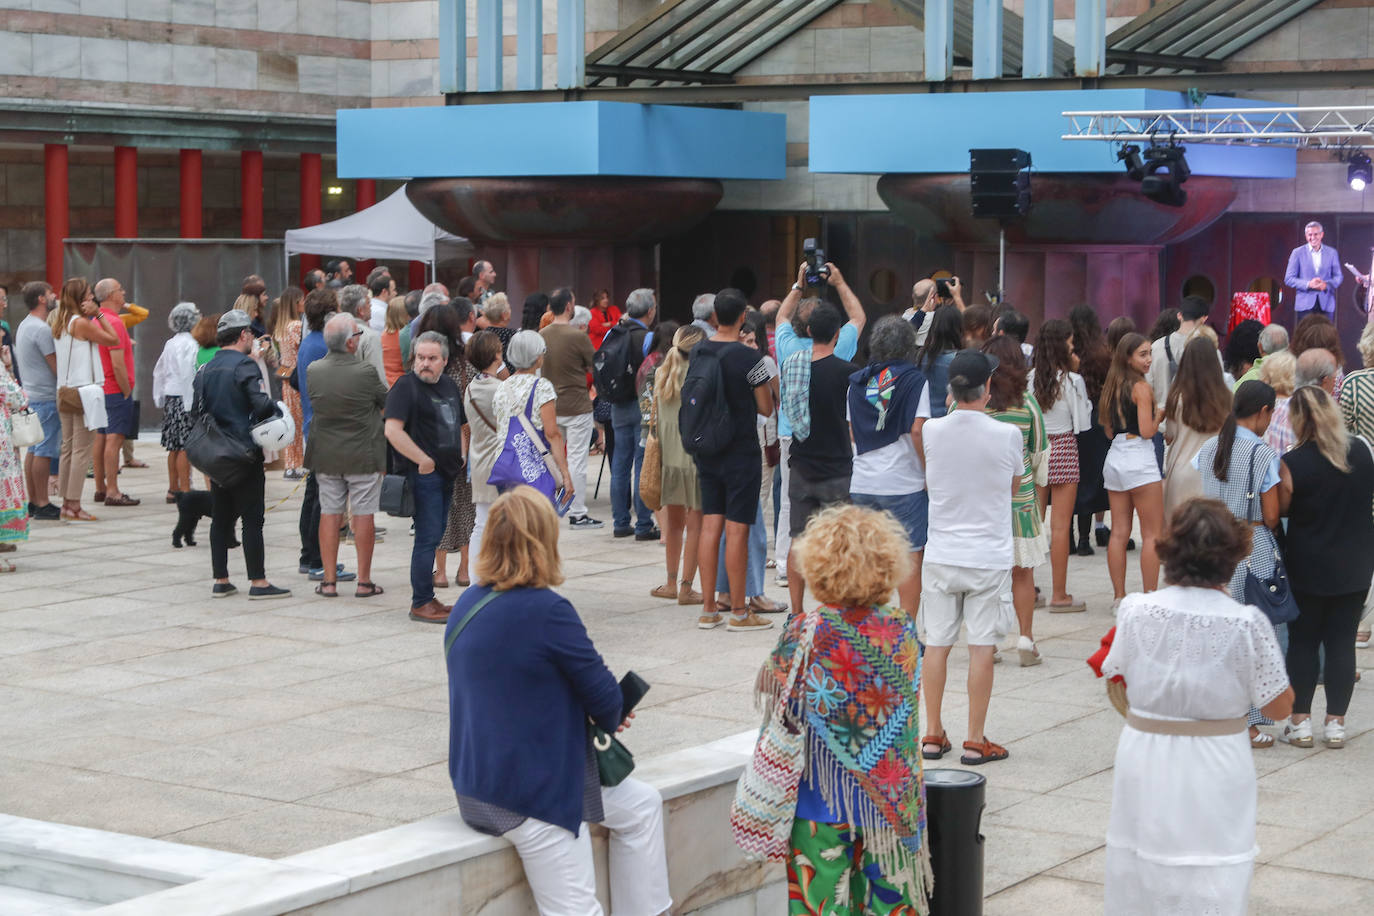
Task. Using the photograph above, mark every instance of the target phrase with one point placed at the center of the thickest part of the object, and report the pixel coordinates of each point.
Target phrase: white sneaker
(1029, 655)
(1299, 735)
(1333, 734)
(781, 580)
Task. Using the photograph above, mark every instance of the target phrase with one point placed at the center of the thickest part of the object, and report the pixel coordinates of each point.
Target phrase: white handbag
(25, 429)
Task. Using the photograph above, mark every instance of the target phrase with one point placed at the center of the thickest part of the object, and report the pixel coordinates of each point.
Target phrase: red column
(365, 195)
(416, 278)
(191, 220)
(311, 170)
(56, 218)
(126, 192)
(250, 193)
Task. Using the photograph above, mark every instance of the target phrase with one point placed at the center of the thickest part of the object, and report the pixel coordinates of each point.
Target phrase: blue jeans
(432, 493)
(626, 460)
(758, 555)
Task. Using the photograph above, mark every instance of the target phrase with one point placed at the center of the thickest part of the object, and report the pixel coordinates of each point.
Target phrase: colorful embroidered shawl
(860, 704)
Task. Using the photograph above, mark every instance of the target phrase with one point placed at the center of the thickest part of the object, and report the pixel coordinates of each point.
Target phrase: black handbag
(221, 457)
(397, 499)
(1271, 595)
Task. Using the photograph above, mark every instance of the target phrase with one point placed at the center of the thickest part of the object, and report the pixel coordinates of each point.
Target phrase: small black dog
(192, 506)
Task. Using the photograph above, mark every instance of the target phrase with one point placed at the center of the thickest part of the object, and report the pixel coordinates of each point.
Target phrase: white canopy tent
(392, 229)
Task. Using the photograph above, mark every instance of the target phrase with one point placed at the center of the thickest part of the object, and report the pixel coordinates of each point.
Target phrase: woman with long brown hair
(1130, 418)
(78, 329)
(1010, 402)
(286, 333)
(1199, 403)
(1063, 400)
(1094, 359)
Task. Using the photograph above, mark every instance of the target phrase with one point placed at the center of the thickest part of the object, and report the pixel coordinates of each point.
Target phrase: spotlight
(1135, 166)
(1166, 170)
(1359, 174)
(334, 190)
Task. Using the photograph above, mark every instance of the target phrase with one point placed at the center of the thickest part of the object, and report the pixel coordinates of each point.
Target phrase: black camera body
(942, 289)
(816, 271)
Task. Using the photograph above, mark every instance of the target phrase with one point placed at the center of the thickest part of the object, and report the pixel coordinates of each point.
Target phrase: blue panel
(453, 45)
(933, 133)
(574, 138)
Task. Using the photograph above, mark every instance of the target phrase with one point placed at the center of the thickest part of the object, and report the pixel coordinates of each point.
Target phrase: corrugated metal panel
(1208, 29)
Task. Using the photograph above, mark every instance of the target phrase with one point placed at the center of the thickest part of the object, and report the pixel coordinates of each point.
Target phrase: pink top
(126, 343)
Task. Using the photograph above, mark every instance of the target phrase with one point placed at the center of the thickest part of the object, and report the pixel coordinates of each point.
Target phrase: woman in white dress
(1181, 838)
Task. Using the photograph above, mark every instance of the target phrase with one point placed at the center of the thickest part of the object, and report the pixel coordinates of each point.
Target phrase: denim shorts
(119, 412)
(51, 445)
(911, 509)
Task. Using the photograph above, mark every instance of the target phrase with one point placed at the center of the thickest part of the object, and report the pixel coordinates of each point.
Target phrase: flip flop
(440, 583)
(984, 752)
(333, 589)
(368, 590)
(464, 583)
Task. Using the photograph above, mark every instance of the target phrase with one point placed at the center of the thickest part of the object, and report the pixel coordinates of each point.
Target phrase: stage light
(1359, 174)
(334, 190)
(1166, 169)
(1130, 157)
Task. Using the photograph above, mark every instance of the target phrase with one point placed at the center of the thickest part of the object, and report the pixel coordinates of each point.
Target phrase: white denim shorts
(979, 598)
(1130, 463)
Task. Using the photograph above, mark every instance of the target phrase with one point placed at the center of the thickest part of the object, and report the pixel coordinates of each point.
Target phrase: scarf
(795, 391)
(860, 705)
(883, 399)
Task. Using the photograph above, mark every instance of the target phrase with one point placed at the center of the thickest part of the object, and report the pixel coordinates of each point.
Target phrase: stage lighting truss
(1351, 126)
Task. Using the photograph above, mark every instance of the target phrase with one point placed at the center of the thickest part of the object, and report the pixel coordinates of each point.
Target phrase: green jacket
(345, 435)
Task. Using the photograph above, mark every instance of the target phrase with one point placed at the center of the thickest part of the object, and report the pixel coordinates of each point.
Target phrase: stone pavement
(130, 701)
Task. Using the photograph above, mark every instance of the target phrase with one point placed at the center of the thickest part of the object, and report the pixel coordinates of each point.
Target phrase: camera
(816, 271)
(942, 289)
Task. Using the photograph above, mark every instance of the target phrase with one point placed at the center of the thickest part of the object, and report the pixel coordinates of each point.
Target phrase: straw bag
(765, 802)
(651, 473)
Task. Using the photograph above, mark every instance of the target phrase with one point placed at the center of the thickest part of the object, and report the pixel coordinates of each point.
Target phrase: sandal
(99, 496)
(464, 583)
(664, 591)
(171, 497)
(1073, 607)
(762, 604)
(333, 589)
(7, 567)
(985, 752)
(77, 515)
(1261, 741)
(368, 590)
(135, 464)
(687, 596)
(941, 741)
(123, 499)
(440, 582)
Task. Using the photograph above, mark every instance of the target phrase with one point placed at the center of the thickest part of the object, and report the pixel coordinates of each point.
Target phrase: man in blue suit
(1314, 271)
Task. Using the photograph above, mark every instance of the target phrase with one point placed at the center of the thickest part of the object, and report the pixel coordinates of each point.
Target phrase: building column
(191, 195)
(417, 277)
(364, 196)
(126, 192)
(56, 216)
(572, 43)
(312, 167)
(250, 193)
(489, 45)
(1090, 37)
(987, 39)
(939, 36)
(1037, 40)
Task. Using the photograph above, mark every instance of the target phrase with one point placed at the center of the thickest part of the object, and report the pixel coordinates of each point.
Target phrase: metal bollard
(954, 812)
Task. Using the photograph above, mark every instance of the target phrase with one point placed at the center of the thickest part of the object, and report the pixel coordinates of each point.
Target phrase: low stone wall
(440, 866)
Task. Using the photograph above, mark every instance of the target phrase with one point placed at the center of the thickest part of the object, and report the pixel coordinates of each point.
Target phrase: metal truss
(1350, 126)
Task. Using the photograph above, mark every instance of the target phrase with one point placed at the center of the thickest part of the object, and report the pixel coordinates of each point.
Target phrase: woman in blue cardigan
(524, 678)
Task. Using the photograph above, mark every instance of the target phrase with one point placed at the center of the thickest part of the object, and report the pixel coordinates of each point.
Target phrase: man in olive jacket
(346, 450)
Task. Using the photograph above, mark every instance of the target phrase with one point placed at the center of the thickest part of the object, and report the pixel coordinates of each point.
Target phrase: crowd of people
(945, 466)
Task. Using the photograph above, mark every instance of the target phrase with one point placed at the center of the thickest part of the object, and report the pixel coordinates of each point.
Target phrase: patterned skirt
(176, 424)
(461, 516)
(1063, 459)
(294, 454)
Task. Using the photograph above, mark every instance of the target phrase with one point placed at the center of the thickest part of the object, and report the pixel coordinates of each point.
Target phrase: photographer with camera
(928, 295)
(793, 337)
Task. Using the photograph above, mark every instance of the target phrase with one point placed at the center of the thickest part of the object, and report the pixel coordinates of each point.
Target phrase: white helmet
(278, 432)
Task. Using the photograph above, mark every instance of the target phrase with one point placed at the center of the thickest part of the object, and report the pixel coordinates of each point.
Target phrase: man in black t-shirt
(424, 424)
(815, 392)
(730, 481)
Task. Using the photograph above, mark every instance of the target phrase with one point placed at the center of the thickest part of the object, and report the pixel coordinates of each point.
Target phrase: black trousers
(310, 525)
(244, 500)
(1330, 622)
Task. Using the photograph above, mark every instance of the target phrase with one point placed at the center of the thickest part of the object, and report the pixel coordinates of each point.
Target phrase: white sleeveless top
(78, 361)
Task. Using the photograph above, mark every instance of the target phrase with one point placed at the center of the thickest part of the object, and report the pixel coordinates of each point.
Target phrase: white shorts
(1130, 463)
(979, 598)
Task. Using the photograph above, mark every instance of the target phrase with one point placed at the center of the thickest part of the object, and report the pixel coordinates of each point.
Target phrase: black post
(955, 800)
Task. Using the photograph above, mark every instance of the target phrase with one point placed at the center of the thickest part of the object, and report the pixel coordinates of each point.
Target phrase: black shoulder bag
(224, 459)
(1271, 595)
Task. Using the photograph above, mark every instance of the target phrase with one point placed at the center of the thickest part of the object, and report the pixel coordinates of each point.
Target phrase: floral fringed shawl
(858, 700)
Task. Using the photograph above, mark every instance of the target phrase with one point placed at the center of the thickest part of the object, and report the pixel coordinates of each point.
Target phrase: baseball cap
(972, 366)
(234, 318)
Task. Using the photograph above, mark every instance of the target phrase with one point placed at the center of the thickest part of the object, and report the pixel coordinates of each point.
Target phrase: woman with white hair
(172, 377)
(526, 390)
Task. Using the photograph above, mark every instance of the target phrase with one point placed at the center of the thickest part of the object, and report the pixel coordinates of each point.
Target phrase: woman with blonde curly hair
(859, 824)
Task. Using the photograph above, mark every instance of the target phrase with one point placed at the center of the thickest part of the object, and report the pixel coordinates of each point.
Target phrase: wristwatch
(796, 288)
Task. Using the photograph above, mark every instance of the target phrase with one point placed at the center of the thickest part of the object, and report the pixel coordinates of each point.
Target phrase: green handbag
(614, 761)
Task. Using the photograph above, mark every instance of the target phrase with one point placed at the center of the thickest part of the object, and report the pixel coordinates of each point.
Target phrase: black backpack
(611, 366)
(704, 419)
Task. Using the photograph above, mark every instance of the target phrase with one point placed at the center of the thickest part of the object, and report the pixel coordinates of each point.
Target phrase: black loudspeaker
(1001, 182)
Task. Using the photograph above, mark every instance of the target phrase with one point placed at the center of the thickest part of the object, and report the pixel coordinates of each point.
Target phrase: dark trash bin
(954, 812)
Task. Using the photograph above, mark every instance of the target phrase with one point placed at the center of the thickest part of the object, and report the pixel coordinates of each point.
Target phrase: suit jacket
(1300, 271)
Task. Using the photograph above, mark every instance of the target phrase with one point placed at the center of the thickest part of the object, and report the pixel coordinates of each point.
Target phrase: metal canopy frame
(1324, 128)
(1198, 32)
(699, 41)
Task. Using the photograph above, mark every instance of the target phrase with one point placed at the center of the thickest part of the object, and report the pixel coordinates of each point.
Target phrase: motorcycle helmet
(277, 432)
